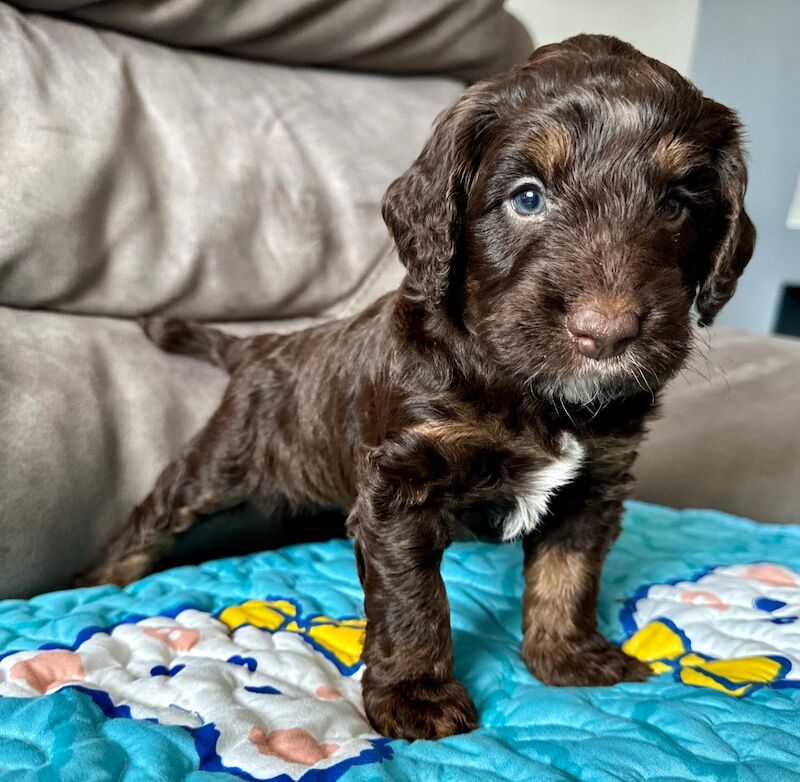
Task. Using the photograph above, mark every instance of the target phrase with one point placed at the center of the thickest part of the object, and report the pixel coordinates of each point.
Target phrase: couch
(228, 165)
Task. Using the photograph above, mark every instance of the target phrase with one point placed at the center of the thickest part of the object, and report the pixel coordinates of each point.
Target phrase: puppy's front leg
(409, 688)
(561, 643)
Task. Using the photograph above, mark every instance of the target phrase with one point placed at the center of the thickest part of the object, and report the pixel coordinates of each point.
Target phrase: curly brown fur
(504, 388)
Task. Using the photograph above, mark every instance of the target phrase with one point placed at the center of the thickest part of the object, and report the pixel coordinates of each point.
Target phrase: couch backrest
(138, 178)
(464, 39)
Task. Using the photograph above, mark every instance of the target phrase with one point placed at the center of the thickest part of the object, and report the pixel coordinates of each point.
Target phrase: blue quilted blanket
(249, 668)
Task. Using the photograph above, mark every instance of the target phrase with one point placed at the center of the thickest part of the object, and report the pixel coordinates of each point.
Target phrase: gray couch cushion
(138, 178)
(729, 434)
(91, 414)
(466, 39)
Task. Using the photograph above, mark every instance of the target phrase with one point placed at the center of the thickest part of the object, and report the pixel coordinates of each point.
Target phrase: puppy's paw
(590, 662)
(120, 572)
(420, 709)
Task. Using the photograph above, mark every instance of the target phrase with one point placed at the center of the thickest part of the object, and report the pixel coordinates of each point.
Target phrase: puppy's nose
(602, 335)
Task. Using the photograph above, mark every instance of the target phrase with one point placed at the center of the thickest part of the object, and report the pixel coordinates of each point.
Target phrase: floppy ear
(738, 235)
(424, 208)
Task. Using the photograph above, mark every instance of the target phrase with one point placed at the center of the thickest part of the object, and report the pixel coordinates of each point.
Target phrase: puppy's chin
(595, 383)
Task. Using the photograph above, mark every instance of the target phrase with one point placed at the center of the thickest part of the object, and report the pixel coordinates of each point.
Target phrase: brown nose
(602, 335)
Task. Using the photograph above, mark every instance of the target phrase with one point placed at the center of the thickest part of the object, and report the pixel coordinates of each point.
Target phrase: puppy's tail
(175, 335)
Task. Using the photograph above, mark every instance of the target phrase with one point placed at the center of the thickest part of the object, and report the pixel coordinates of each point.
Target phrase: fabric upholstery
(728, 437)
(136, 178)
(91, 414)
(467, 39)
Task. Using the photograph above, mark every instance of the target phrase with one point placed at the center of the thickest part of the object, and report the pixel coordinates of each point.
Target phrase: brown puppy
(557, 228)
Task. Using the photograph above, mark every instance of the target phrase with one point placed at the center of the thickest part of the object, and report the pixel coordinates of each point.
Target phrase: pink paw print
(48, 670)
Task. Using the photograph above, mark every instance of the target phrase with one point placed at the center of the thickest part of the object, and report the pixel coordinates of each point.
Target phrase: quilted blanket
(249, 668)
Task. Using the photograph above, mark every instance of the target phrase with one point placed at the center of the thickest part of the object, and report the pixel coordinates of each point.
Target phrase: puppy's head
(568, 213)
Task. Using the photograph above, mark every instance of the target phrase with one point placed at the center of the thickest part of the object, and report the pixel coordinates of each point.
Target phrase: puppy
(556, 229)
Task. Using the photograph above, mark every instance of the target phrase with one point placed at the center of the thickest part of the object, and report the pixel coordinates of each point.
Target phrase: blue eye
(528, 200)
(673, 208)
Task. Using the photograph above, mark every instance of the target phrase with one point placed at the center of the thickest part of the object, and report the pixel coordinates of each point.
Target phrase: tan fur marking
(454, 431)
(554, 580)
(551, 148)
(131, 568)
(450, 432)
(674, 156)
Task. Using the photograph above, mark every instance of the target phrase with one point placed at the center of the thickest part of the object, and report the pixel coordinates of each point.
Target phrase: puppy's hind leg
(215, 472)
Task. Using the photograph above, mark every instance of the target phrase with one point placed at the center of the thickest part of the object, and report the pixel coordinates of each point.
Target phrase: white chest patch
(544, 483)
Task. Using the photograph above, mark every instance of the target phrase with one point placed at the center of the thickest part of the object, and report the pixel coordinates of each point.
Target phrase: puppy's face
(584, 202)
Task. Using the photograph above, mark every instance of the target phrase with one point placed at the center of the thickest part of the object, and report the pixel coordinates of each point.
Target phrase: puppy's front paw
(590, 662)
(420, 709)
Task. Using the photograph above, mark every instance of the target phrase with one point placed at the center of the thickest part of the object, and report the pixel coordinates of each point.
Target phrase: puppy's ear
(737, 235)
(424, 208)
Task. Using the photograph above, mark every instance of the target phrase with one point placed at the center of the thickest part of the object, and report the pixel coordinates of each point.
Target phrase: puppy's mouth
(593, 382)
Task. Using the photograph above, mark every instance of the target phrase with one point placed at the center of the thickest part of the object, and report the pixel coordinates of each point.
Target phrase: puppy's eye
(528, 200)
(672, 208)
